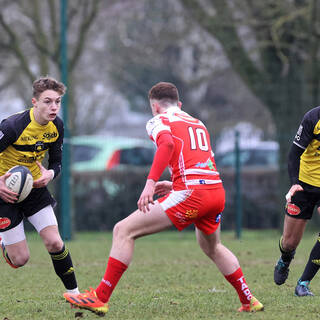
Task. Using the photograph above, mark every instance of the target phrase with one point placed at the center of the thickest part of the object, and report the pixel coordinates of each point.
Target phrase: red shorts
(203, 207)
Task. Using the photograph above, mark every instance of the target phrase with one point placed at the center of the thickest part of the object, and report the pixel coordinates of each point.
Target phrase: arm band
(165, 147)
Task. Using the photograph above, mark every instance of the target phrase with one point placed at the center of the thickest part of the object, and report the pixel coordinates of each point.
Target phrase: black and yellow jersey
(308, 138)
(23, 141)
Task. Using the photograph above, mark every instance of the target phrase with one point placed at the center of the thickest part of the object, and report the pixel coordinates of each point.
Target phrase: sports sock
(286, 256)
(114, 272)
(73, 291)
(313, 263)
(63, 267)
(238, 281)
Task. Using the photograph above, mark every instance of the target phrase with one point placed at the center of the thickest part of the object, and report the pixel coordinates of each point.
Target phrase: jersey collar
(172, 109)
(35, 121)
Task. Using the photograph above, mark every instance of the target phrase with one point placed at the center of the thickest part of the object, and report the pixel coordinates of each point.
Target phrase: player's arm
(54, 163)
(302, 139)
(162, 188)
(293, 170)
(55, 153)
(165, 148)
(7, 137)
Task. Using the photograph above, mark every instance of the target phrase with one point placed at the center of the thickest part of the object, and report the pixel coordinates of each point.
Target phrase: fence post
(65, 195)
(238, 197)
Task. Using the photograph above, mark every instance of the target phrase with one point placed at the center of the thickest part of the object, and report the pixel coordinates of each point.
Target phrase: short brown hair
(165, 92)
(47, 83)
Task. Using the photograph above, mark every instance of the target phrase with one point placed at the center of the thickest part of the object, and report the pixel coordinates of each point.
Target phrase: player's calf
(281, 270)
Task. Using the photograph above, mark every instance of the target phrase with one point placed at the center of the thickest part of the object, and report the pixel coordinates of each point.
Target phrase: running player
(25, 138)
(302, 198)
(195, 196)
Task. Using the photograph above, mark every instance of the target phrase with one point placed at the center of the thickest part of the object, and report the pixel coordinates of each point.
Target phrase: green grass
(169, 278)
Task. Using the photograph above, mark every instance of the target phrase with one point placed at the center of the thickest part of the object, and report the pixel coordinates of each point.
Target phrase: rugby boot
(87, 300)
(302, 289)
(281, 272)
(254, 306)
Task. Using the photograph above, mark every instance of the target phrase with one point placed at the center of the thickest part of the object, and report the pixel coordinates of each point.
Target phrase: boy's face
(47, 106)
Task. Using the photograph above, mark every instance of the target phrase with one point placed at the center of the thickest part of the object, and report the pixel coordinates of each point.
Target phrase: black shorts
(303, 202)
(11, 214)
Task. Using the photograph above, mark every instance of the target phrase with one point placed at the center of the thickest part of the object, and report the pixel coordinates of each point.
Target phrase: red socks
(114, 271)
(238, 281)
(116, 268)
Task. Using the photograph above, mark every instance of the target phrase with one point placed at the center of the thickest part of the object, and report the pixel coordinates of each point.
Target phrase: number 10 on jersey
(198, 139)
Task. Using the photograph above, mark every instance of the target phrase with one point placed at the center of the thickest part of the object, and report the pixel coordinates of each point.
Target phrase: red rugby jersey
(192, 164)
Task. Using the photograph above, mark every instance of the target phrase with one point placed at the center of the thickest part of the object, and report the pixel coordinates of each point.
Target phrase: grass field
(170, 278)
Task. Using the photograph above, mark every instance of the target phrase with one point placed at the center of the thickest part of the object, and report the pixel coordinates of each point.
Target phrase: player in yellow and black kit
(302, 198)
(25, 138)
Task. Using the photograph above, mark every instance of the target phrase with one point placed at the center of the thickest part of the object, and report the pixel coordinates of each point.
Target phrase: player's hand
(5, 193)
(162, 188)
(295, 188)
(46, 177)
(146, 196)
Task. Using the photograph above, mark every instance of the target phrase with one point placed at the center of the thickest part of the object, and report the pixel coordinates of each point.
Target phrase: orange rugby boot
(254, 306)
(87, 300)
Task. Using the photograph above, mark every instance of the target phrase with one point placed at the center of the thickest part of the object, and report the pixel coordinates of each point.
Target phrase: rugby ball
(20, 181)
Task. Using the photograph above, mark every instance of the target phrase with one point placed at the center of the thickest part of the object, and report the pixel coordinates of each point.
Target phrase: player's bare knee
(53, 245)
(19, 260)
(120, 231)
(289, 243)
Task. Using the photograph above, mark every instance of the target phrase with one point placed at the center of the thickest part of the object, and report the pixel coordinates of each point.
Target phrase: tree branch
(221, 27)
(13, 44)
(84, 28)
(40, 38)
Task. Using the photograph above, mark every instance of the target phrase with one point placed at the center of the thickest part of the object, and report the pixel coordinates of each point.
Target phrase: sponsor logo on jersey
(293, 210)
(39, 146)
(298, 135)
(4, 222)
(26, 159)
(29, 138)
(1, 135)
(186, 117)
(209, 164)
(49, 135)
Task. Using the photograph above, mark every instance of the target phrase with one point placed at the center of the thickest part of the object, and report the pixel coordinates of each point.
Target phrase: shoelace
(90, 292)
(304, 284)
(281, 264)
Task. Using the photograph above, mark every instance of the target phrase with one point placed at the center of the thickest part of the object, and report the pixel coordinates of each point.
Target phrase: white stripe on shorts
(175, 198)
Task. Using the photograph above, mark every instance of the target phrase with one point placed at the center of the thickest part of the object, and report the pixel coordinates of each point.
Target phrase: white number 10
(201, 139)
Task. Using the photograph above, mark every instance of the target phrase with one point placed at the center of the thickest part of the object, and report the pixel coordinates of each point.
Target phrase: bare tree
(30, 41)
(274, 47)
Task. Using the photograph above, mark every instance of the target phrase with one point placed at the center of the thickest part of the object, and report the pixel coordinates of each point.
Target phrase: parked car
(99, 153)
(262, 154)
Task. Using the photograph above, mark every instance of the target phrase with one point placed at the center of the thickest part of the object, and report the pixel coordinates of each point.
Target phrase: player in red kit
(194, 196)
